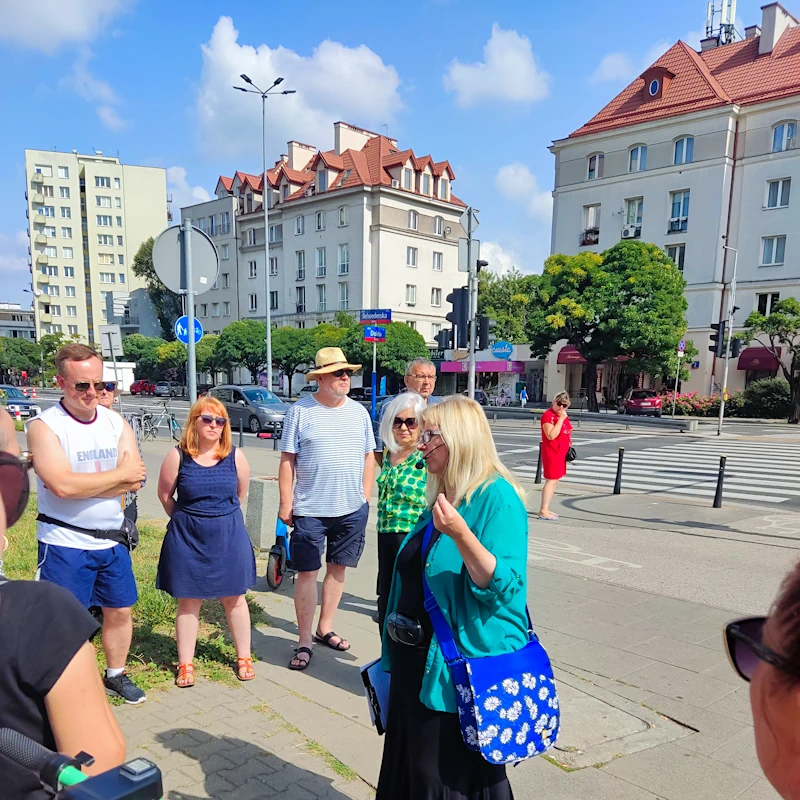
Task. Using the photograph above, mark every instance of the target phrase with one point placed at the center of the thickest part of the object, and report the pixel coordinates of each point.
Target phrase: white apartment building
(16, 322)
(87, 217)
(699, 151)
(364, 225)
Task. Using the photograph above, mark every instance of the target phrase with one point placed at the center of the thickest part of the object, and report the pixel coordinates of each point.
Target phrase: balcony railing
(41, 258)
(590, 236)
(130, 319)
(37, 177)
(678, 225)
(38, 197)
(225, 228)
(40, 238)
(43, 278)
(301, 307)
(39, 219)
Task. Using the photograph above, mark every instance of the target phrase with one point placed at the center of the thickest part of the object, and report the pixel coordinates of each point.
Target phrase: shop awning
(570, 355)
(759, 359)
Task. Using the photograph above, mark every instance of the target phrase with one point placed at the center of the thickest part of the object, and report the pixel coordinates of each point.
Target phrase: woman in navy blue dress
(206, 552)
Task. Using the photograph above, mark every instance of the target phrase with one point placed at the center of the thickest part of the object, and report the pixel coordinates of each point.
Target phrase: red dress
(554, 451)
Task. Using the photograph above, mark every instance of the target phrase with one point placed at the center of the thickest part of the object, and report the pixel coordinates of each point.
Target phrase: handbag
(376, 687)
(508, 706)
(572, 454)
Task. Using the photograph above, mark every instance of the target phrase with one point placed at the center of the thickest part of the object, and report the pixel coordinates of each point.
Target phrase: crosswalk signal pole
(731, 307)
(473, 309)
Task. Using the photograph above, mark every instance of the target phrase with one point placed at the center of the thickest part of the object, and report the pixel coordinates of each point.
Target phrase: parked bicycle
(152, 422)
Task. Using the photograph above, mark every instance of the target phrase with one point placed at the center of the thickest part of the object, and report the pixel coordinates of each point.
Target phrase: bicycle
(152, 422)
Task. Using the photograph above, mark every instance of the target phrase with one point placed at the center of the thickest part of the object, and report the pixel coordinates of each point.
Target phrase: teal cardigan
(485, 622)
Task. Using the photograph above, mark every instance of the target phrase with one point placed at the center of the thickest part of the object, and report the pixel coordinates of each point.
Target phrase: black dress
(424, 756)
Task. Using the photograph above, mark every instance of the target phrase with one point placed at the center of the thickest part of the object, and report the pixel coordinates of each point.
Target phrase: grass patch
(342, 770)
(154, 653)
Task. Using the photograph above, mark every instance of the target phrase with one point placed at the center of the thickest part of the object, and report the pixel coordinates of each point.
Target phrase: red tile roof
(731, 73)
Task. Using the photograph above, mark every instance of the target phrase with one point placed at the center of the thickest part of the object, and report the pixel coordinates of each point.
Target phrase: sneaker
(122, 686)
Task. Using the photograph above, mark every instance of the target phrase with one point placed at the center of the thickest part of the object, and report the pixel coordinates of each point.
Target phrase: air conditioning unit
(395, 184)
(309, 192)
(631, 231)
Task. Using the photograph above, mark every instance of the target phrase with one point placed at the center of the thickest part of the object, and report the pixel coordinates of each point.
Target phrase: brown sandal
(244, 669)
(185, 677)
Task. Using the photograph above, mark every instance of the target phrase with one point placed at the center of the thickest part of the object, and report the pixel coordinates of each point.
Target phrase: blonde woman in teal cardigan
(476, 570)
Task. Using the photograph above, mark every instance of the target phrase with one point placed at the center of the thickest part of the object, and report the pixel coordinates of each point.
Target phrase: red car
(142, 387)
(640, 401)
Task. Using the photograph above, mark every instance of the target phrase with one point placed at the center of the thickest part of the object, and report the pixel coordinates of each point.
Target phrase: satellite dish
(37, 292)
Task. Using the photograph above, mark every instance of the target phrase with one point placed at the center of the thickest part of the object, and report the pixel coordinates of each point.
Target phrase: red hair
(190, 441)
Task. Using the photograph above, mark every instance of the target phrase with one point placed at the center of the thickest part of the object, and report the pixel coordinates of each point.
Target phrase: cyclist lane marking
(550, 550)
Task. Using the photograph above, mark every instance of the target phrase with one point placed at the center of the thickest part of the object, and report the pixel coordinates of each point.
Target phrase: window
(47, 191)
(438, 226)
(55, 310)
(69, 291)
(591, 217)
(72, 330)
(121, 277)
(66, 252)
(107, 277)
(633, 211)
(253, 269)
(102, 183)
(323, 180)
(637, 161)
(411, 256)
(273, 301)
(120, 260)
(66, 212)
(273, 265)
(215, 309)
(300, 263)
(426, 184)
(49, 231)
(413, 220)
(51, 252)
(117, 202)
(677, 252)
(48, 211)
(224, 251)
(44, 169)
(322, 262)
(444, 188)
(226, 280)
(773, 250)
(119, 222)
(103, 221)
(300, 298)
(343, 216)
(104, 239)
(407, 174)
(225, 222)
(437, 262)
(412, 323)
(778, 193)
(784, 136)
(285, 191)
(50, 290)
(69, 272)
(226, 309)
(595, 166)
(116, 183)
(299, 225)
(66, 233)
(684, 151)
(251, 237)
(321, 297)
(320, 220)
(275, 233)
(411, 294)
(436, 297)
(766, 302)
(252, 302)
(103, 201)
(72, 311)
(51, 270)
(344, 259)
(63, 172)
(436, 329)
(63, 192)
(679, 214)
(344, 296)
(105, 258)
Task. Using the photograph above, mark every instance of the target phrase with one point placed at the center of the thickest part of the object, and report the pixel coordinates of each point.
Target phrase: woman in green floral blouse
(401, 485)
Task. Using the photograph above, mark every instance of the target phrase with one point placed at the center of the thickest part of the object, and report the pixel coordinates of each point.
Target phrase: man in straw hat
(325, 479)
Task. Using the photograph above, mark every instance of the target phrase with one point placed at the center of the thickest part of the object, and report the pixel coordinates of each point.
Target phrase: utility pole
(731, 311)
(473, 304)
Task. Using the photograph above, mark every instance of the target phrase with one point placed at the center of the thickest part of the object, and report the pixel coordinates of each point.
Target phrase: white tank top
(90, 447)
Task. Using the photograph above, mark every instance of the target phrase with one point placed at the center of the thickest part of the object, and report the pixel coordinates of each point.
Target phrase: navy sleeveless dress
(206, 551)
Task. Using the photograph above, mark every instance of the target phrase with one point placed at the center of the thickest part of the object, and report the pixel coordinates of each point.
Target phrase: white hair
(406, 400)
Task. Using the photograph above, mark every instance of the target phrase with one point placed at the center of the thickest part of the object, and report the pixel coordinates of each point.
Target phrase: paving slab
(682, 684)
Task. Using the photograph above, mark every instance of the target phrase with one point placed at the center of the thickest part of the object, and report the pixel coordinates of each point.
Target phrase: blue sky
(485, 85)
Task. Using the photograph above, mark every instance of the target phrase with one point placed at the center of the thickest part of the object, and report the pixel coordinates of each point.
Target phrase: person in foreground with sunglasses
(766, 652)
(476, 570)
(401, 486)
(86, 458)
(206, 552)
(50, 689)
(556, 438)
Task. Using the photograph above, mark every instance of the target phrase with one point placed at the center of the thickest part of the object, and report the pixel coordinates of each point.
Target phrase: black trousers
(388, 547)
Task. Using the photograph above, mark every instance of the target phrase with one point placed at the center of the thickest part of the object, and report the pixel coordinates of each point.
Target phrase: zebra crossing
(763, 472)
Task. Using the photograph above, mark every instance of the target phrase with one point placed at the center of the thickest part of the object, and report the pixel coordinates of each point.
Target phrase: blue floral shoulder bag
(507, 704)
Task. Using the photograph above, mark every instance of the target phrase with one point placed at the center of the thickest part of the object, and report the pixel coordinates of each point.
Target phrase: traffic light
(444, 339)
(458, 316)
(718, 338)
(736, 347)
(485, 335)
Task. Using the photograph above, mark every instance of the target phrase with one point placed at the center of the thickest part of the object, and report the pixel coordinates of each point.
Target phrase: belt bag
(127, 534)
(507, 704)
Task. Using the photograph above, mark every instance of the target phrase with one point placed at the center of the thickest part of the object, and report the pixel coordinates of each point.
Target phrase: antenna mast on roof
(725, 33)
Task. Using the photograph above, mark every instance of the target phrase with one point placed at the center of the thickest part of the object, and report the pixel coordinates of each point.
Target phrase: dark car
(15, 400)
(640, 401)
(480, 397)
(202, 388)
(361, 393)
(256, 406)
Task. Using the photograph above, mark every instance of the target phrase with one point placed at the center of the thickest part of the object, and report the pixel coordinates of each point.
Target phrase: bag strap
(113, 535)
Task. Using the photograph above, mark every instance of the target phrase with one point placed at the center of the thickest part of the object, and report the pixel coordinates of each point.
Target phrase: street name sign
(372, 333)
(369, 316)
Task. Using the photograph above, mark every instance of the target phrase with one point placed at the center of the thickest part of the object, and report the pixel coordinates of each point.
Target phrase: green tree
(20, 354)
(664, 365)
(51, 343)
(627, 301)
(402, 344)
(506, 299)
(243, 343)
(291, 349)
(341, 319)
(780, 334)
(206, 354)
(172, 357)
(143, 351)
(327, 335)
(167, 304)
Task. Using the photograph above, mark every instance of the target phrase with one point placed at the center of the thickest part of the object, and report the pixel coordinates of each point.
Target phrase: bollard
(720, 482)
(539, 467)
(241, 433)
(618, 479)
(494, 418)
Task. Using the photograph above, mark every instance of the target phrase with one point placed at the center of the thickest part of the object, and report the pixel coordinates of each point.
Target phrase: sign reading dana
(502, 349)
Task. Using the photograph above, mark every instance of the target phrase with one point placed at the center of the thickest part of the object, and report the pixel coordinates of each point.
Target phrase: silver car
(258, 408)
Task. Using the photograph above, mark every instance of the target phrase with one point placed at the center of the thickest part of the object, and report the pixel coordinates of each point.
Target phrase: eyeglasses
(14, 484)
(745, 648)
(208, 419)
(337, 373)
(563, 405)
(428, 435)
(83, 386)
(410, 423)
(423, 377)
(110, 386)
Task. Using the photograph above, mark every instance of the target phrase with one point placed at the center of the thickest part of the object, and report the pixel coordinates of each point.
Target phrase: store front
(491, 376)
(758, 363)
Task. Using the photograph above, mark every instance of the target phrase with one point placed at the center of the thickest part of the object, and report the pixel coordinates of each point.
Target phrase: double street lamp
(264, 202)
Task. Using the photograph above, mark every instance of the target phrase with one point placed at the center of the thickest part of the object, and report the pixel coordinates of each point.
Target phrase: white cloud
(500, 260)
(517, 183)
(509, 71)
(47, 24)
(183, 194)
(616, 67)
(94, 90)
(110, 118)
(622, 67)
(13, 254)
(334, 83)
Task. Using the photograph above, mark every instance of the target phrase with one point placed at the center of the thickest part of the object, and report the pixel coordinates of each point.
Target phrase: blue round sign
(502, 349)
(182, 330)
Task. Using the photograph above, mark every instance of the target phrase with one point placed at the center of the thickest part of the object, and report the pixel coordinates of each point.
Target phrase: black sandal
(303, 664)
(326, 640)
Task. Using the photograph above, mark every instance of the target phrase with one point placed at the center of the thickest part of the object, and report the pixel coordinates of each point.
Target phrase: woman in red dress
(556, 437)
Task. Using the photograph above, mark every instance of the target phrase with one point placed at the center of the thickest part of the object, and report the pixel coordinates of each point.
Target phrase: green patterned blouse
(401, 494)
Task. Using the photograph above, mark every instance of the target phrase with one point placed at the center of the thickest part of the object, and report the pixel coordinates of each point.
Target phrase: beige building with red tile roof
(699, 151)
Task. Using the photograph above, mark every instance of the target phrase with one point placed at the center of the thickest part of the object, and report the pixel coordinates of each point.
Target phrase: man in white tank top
(85, 458)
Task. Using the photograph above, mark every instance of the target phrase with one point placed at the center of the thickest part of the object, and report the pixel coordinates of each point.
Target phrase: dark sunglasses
(563, 405)
(208, 419)
(410, 423)
(337, 373)
(110, 386)
(14, 484)
(83, 386)
(745, 648)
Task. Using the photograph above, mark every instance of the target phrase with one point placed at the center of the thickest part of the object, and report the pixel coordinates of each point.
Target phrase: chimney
(285, 159)
(752, 32)
(299, 155)
(709, 43)
(775, 19)
(349, 137)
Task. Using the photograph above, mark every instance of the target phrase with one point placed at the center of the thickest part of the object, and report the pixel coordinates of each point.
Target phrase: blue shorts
(345, 536)
(96, 577)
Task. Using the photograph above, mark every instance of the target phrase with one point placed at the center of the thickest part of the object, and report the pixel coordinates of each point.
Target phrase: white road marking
(548, 550)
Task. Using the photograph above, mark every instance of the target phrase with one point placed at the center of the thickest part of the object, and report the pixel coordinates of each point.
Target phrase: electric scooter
(279, 563)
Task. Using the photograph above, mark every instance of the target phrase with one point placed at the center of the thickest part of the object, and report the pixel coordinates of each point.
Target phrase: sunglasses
(110, 386)
(83, 386)
(745, 648)
(337, 373)
(428, 435)
(410, 423)
(14, 484)
(563, 405)
(208, 419)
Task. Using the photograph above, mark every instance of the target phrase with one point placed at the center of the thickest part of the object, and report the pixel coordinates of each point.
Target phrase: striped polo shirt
(329, 446)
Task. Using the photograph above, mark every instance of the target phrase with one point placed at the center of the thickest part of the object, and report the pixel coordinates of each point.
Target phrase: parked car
(140, 387)
(361, 393)
(640, 401)
(15, 399)
(258, 408)
(202, 388)
(480, 397)
(170, 389)
(309, 388)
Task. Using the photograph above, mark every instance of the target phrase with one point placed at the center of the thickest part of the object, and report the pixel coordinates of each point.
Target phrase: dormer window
(323, 180)
(595, 166)
(284, 191)
(656, 83)
(407, 176)
(784, 136)
(444, 188)
(426, 184)
(637, 161)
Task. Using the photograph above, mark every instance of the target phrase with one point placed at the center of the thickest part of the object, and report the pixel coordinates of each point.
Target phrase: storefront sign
(484, 366)
(502, 349)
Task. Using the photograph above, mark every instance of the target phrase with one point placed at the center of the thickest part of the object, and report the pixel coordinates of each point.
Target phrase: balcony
(37, 177)
(45, 318)
(39, 219)
(40, 238)
(130, 321)
(678, 225)
(37, 197)
(590, 237)
(45, 279)
(41, 258)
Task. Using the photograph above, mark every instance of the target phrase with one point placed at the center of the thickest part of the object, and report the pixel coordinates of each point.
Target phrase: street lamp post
(265, 204)
(38, 338)
(731, 311)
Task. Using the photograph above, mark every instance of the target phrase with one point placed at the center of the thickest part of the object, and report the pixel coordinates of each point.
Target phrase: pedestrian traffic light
(736, 347)
(444, 339)
(458, 316)
(718, 338)
(486, 326)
